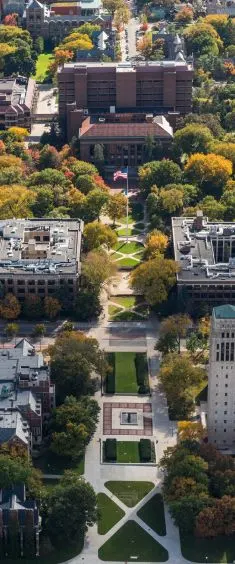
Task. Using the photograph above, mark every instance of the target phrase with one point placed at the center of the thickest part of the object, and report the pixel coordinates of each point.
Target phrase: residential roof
(13, 425)
(125, 130)
(224, 312)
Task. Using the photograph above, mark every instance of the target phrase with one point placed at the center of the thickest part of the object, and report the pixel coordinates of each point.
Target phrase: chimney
(198, 221)
(149, 118)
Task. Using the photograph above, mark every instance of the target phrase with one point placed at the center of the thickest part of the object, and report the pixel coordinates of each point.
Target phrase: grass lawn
(42, 65)
(128, 316)
(109, 513)
(130, 493)
(128, 248)
(132, 540)
(218, 550)
(50, 463)
(152, 513)
(125, 372)
(127, 262)
(125, 301)
(112, 309)
(128, 451)
(131, 231)
(136, 213)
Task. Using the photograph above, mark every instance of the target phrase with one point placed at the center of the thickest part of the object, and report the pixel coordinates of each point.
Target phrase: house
(19, 523)
(14, 430)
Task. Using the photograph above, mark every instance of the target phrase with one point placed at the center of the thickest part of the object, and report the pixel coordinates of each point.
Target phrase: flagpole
(127, 207)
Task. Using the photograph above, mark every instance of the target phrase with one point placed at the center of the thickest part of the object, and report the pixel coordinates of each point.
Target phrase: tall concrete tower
(221, 378)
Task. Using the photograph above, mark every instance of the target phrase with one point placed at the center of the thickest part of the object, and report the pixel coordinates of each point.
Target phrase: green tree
(11, 329)
(49, 158)
(13, 470)
(32, 307)
(71, 509)
(74, 360)
(98, 267)
(159, 173)
(96, 234)
(87, 304)
(44, 202)
(172, 330)
(94, 204)
(192, 138)
(99, 156)
(52, 307)
(154, 279)
(116, 206)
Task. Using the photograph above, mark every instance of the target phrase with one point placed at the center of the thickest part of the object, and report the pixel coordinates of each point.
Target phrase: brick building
(19, 523)
(17, 102)
(124, 141)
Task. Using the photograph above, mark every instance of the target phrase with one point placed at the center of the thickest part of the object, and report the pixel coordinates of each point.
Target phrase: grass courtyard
(128, 452)
(130, 493)
(124, 376)
(109, 513)
(43, 62)
(152, 513)
(50, 463)
(132, 541)
(128, 248)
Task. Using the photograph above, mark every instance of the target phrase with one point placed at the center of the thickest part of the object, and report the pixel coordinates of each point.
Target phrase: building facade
(17, 102)
(58, 19)
(123, 142)
(40, 256)
(205, 252)
(221, 380)
(19, 523)
(161, 87)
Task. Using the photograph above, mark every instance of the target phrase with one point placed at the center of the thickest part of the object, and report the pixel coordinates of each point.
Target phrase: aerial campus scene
(117, 281)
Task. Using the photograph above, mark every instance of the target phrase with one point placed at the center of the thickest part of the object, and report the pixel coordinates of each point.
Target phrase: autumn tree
(156, 242)
(172, 330)
(11, 329)
(116, 206)
(159, 173)
(219, 519)
(98, 267)
(52, 307)
(112, 5)
(201, 39)
(96, 234)
(154, 279)
(210, 172)
(15, 201)
(76, 41)
(9, 307)
(184, 16)
(180, 380)
(32, 307)
(171, 200)
(227, 150)
(190, 430)
(10, 19)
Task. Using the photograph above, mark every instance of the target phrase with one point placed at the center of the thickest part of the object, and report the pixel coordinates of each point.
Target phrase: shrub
(143, 389)
(145, 450)
(111, 450)
(141, 367)
(110, 377)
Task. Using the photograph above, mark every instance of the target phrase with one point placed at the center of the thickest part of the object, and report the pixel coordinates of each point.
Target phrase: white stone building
(221, 378)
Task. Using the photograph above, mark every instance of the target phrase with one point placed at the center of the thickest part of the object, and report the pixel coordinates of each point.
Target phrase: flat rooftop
(125, 66)
(194, 249)
(40, 246)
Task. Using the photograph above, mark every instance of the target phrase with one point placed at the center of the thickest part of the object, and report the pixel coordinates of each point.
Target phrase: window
(226, 375)
(226, 385)
(227, 335)
(222, 335)
(225, 394)
(225, 430)
(225, 420)
(225, 403)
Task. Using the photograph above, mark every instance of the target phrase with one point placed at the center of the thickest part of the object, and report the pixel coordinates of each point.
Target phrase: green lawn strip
(152, 513)
(50, 463)
(219, 549)
(127, 262)
(128, 451)
(108, 513)
(130, 493)
(125, 373)
(128, 248)
(131, 231)
(131, 540)
(42, 65)
(49, 554)
(112, 309)
(143, 309)
(127, 316)
(125, 301)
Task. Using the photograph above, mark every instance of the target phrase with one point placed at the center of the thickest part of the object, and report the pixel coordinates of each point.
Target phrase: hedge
(141, 367)
(111, 450)
(145, 450)
(110, 378)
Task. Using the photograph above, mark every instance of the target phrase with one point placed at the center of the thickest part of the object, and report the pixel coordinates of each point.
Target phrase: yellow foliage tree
(156, 242)
(7, 161)
(19, 133)
(210, 172)
(75, 42)
(190, 430)
(15, 201)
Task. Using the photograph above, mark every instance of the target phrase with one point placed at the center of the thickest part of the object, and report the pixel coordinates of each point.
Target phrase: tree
(227, 150)
(94, 204)
(149, 143)
(11, 329)
(154, 279)
(192, 430)
(184, 487)
(180, 380)
(116, 206)
(74, 423)
(171, 200)
(223, 483)
(99, 156)
(185, 511)
(32, 307)
(87, 305)
(193, 138)
(39, 44)
(156, 242)
(159, 173)
(49, 158)
(184, 16)
(97, 268)
(9, 307)
(15, 201)
(218, 519)
(76, 41)
(112, 5)
(10, 19)
(201, 39)
(71, 508)
(52, 307)
(172, 330)
(74, 360)
(210, 172)
(39, 330)
(96, 234)
(121, 16)
(43, 203)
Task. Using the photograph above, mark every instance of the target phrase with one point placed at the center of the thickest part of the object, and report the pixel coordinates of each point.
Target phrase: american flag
(120, 174)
